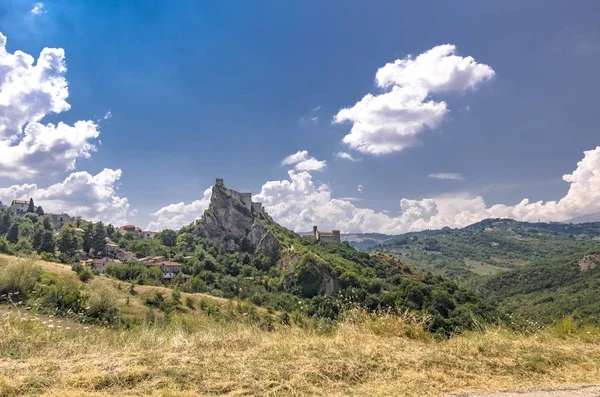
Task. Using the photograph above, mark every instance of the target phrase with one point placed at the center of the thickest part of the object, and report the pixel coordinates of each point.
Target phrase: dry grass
(363, 356)
(195, 354)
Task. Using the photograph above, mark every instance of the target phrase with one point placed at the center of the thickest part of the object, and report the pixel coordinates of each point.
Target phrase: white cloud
(174, 216)
(312, 117)
(108, 115)
(352, 198)
(93, 197)
(436, 70)
(359, 188)
(311, 164)
(303, 162)
(300, 155)
(447, 175)
(30, 90)
(391, 121)
(346, 156)
(38, 9)
(298, 203)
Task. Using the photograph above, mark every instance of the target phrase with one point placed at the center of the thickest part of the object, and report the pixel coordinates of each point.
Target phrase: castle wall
(329, 238)
(257, 207)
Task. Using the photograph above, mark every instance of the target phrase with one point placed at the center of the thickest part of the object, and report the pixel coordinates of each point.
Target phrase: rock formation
(234, 222)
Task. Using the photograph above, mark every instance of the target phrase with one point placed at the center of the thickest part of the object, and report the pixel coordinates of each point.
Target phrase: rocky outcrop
(233, 222)
(308, 279)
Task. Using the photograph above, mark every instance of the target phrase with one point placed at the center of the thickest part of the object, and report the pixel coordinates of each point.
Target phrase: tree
(168, 237)
(13, 233)
(111, 232)
(47, 243)
(88, 235)
(39, 210)
(32, 216)
(31, 207)
(25, 228)
(68, 242)
(43, 235)
(99, 238)
(36, 240)
(5, 221)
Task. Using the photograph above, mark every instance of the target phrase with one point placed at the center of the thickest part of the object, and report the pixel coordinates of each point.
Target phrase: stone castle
(244, 198)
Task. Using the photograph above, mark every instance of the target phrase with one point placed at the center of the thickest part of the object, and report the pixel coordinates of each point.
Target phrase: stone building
(19, 207)
(244, 198)
(324, 237)
(59, 219)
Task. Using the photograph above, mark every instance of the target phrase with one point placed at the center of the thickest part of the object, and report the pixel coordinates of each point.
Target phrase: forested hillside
(236, 251)
(490, 246)
(537, 272)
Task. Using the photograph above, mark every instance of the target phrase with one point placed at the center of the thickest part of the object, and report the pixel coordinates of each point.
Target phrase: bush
(5, 247)
(189, 302)
(84, 273)
(208, 306)
(20, 277)
(101, 306)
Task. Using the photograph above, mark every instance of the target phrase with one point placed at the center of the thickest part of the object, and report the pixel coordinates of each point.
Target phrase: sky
(379, 116)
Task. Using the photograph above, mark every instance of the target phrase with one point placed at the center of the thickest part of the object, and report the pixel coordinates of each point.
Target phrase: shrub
(101, 306)
(189, 302)
(84, 273)
(20, 277)
(5, 247)
(208, 306)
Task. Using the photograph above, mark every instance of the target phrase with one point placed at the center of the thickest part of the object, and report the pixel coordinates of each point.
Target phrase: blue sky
(199, 90)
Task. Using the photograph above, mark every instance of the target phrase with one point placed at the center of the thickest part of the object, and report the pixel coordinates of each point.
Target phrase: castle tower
(315, 232)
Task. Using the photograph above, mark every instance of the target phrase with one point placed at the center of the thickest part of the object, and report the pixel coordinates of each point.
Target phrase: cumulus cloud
(359, 188)
(38, 8)
(391, 121)
(302, 161)
(93, 197)
(30, 90)
(436, 70)
(346, 156)
(447, 175)
(174, 216)
(298, 203)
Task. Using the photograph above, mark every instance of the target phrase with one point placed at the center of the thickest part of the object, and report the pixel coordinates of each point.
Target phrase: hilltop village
(219, 223)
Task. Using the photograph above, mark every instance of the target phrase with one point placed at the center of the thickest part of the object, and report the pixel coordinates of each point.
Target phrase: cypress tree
(99, 239)
(31, 207)
(88, 235)
(13, 233)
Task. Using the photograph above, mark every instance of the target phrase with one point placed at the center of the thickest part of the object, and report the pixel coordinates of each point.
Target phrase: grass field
(482, 268)
(193, 353)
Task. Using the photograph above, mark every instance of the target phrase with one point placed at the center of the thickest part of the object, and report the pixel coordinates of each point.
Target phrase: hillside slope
(490, 246)
(550, 289)
(361, 356)
(237, 250)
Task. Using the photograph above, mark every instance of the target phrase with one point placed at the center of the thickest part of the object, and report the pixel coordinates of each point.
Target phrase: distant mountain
(586, 218)
(364, 241)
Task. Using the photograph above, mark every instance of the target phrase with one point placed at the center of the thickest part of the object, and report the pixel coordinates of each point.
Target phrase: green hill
(490, 246)
(237, 252)
(537, 272)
